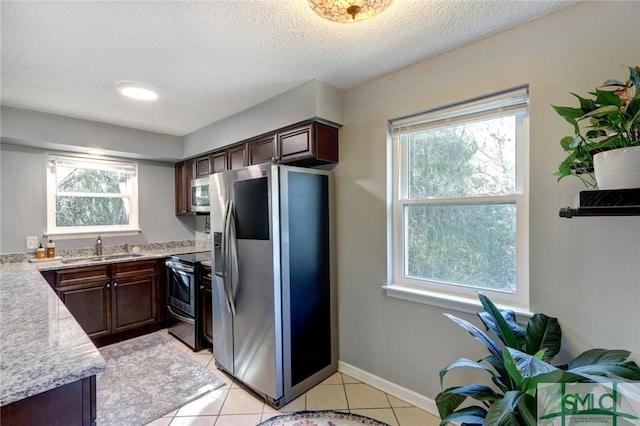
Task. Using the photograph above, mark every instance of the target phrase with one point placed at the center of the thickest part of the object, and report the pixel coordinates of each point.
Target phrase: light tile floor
(234, 405)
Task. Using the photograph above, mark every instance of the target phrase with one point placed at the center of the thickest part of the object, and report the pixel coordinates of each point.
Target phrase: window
(459, 208)
(91, 196)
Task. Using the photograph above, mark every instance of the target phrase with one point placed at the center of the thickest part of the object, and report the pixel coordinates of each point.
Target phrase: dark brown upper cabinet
(262, 150)
(309, 145)
(306, 144)
(237, 156)
(218, 161)
(203, 167)
(184, 172)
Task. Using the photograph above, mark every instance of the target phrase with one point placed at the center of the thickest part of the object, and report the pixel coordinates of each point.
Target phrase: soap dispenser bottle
(51, 249)
(40, 253)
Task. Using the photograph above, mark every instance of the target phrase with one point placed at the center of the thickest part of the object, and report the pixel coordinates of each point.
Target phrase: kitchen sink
(120, 256)
(89, 259)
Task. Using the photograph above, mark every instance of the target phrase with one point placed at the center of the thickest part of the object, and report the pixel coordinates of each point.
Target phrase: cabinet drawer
(127, 269)
(81, 276)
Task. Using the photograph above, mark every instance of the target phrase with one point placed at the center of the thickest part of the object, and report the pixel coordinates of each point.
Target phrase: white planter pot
(618, 168)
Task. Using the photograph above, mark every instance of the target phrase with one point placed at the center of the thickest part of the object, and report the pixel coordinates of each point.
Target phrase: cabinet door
(312, 144)
(90, 306)
(237, 157)
(218, 162)
(203, 167)
(133, 295)
(206, 304)
(297, 144)
(85, 293)
(262, 150)
(184, 172)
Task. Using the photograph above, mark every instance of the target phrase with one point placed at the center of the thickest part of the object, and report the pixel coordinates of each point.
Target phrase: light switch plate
(32, 242)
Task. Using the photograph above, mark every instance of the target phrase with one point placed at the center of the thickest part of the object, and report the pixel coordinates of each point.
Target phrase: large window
(88, 196)
(459, 211)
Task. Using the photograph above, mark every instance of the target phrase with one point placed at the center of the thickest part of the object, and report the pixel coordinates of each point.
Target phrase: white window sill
(446, 301)
(92, 234)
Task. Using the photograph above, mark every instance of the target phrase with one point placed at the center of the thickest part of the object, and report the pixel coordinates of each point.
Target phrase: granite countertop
(42, 347)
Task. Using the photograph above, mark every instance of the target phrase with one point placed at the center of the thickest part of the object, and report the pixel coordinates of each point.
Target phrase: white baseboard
(413, 398)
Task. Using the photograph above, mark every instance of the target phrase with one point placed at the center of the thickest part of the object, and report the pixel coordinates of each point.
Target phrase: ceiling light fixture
(138, 91)
(348, 10)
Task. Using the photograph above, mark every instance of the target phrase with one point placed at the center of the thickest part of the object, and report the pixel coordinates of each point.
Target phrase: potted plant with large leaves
(605, 147)
(516, 364)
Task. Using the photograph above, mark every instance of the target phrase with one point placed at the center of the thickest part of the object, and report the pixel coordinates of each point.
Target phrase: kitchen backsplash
(119, 248)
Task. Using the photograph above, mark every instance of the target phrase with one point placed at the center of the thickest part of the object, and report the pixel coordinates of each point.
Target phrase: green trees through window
(97, 209)
(87, 195)
(453, 235)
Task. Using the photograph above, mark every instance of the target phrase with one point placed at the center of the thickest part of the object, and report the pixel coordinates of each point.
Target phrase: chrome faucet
(99, 246)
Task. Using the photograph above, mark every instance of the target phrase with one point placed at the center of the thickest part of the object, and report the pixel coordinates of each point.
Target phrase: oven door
(181, 287)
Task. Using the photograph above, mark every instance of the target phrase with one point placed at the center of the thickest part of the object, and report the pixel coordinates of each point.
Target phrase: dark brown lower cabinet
(68, 405)
(86, 294)
(206, 303)
(133, 295)
(114, 302)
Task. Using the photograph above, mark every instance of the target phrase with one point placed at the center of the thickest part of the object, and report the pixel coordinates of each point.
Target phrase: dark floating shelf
(612, 202)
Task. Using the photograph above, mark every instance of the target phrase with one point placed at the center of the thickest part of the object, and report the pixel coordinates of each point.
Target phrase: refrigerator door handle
(225, 255)
(233, 259)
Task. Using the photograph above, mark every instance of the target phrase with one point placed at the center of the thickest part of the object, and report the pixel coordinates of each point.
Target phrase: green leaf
(528, 365)
(634, 77)
(475, 391)
(568, 142)
(609, 372)
(477, 334)
(595, 364)
(597, 356)
(447, 402)
(502, 413)
(543, 332)
(469, 415)
(512, 368)
(586, 105)
(530, 384)
(527, 408)
(570, 115)
(607, 98)
(501, 328)
(510, 318)
(603, 111)
(463, 362)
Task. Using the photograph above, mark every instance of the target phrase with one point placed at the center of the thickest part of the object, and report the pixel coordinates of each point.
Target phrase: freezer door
(222, 326)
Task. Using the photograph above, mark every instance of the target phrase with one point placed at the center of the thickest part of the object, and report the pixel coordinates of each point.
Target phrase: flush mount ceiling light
(137, 90)
(348, 10)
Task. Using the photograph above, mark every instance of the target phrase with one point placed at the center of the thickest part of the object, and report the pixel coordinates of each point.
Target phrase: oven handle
(177, 266)
(181, 317)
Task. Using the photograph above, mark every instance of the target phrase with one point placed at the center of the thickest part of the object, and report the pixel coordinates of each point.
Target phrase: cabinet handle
(201, 287)
(108, 285)
(115, 284)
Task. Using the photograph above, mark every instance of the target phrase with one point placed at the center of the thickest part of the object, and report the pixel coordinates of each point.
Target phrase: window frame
(92, 162)
(459, 297)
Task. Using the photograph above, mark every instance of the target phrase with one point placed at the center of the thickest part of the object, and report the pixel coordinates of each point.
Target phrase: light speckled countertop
(42, 346)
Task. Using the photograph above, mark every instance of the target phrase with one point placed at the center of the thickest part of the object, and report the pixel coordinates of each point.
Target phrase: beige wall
(585, 271)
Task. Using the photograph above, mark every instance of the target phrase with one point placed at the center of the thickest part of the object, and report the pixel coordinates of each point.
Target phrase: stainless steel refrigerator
(274, 295)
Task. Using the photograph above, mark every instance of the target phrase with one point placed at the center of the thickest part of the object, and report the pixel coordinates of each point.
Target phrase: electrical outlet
(32, 242)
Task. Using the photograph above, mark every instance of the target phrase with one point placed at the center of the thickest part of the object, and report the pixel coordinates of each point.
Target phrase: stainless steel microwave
(200, 195)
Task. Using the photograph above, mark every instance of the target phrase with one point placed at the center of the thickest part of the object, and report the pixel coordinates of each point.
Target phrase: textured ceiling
(213, 59)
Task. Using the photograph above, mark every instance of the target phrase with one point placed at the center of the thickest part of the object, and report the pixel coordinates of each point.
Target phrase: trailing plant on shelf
(610, 119)
(516, 364)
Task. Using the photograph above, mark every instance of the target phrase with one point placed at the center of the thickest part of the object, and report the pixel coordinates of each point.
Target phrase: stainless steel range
(183, 298)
